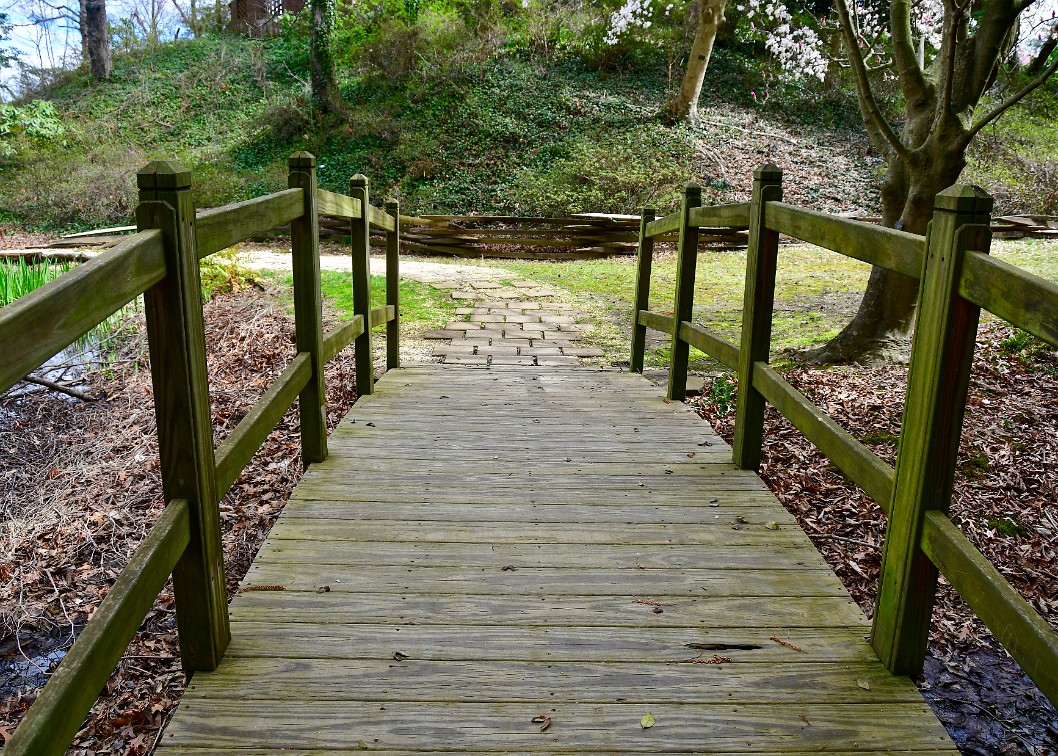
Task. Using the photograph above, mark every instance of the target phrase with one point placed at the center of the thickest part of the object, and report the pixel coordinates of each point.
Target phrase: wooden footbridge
(535, 559)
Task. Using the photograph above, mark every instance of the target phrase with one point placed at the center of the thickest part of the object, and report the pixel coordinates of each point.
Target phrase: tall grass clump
(18, 278)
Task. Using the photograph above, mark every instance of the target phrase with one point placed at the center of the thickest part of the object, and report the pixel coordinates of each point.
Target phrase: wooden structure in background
(258, 17)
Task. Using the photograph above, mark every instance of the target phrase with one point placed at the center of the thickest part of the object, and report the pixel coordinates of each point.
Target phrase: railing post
(761, 260)
(941, 357)
(181, 404)
(642, 297)
(393, 286)
(361, 235)
(683, 301)
(308, 308)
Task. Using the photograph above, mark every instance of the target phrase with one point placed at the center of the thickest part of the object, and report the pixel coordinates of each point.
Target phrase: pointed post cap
(358, 180)
(768, 173)
(966, 199)
(302, 159)
(167, 175)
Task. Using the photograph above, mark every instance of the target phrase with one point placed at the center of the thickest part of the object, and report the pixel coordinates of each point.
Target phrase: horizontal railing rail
(161, 262)
(223, 227)
(888, 248)
(41, 324)
(957, 279)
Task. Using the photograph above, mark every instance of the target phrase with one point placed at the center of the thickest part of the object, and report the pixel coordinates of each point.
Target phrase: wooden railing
(161, 262)
(956, 279)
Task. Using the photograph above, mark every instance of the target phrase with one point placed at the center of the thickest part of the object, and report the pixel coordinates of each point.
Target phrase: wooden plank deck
(541, 542)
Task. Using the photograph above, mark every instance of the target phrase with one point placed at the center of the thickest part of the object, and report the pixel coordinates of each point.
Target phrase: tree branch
(945, 113)
(912, 79)
(872, 112)
(1008, 103)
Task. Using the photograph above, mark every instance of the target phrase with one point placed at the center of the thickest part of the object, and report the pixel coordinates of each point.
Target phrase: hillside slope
(503, 130)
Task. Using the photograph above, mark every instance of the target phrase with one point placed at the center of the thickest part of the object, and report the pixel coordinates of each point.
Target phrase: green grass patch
(422, 307)
(19, 278)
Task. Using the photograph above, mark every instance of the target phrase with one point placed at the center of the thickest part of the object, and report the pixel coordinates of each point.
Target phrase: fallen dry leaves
(81, 487)
(1005, 486)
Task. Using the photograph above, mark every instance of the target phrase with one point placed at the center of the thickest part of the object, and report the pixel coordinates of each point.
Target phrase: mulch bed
(1005, 493)
(81, 488)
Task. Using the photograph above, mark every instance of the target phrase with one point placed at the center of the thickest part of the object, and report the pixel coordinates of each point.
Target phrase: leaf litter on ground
(68, 527)
(1005, 488)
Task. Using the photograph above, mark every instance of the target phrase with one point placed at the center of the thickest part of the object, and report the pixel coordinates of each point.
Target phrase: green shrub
(620, 172)
(74, 189)
(22, 128)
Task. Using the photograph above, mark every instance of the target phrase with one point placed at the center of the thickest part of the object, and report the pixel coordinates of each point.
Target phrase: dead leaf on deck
(543, 720)
(323, 589)
(508, 568)
(863, 683)
(771, 525)
(400, 655)
(647, 721)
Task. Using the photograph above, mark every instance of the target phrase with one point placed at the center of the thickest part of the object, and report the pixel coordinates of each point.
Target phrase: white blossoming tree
(945, 55)
(640, 14)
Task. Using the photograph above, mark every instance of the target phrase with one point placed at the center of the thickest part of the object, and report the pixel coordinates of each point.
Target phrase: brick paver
(504, 325)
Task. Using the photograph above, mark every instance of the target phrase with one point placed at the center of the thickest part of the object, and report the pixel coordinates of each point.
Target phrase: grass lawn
(816, 292)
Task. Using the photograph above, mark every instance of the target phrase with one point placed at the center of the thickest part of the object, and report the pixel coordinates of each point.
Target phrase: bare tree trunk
(96, 38)
(881, 329)
(1044, 54)
(710, 17)
(321, 63)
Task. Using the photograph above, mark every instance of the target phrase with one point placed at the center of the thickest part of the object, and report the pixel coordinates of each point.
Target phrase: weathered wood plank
(701, 338)
(208, 751)
(758, 302)
(176, 337)
(593, 727)
(1016, 624)
(938, 380)
(381, 315)
(665, 225)
(799, 554)
(676, 680)
(1026, 300)
(862, 465)
(409, 608)
(244, 441)
(683, 297)
(381, 219)
(721, 216)
(750, 645)
(46, 321)
(56, 715)
(641, 299)
(308, 309)
(341, 336)
(223, 227)
(886, 247)
(758, 508)
(393, 286)
(360, 230)
(337, 205)
(546, 581)
(754, 533)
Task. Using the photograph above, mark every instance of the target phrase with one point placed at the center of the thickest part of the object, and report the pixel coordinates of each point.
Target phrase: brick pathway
(507, 325)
